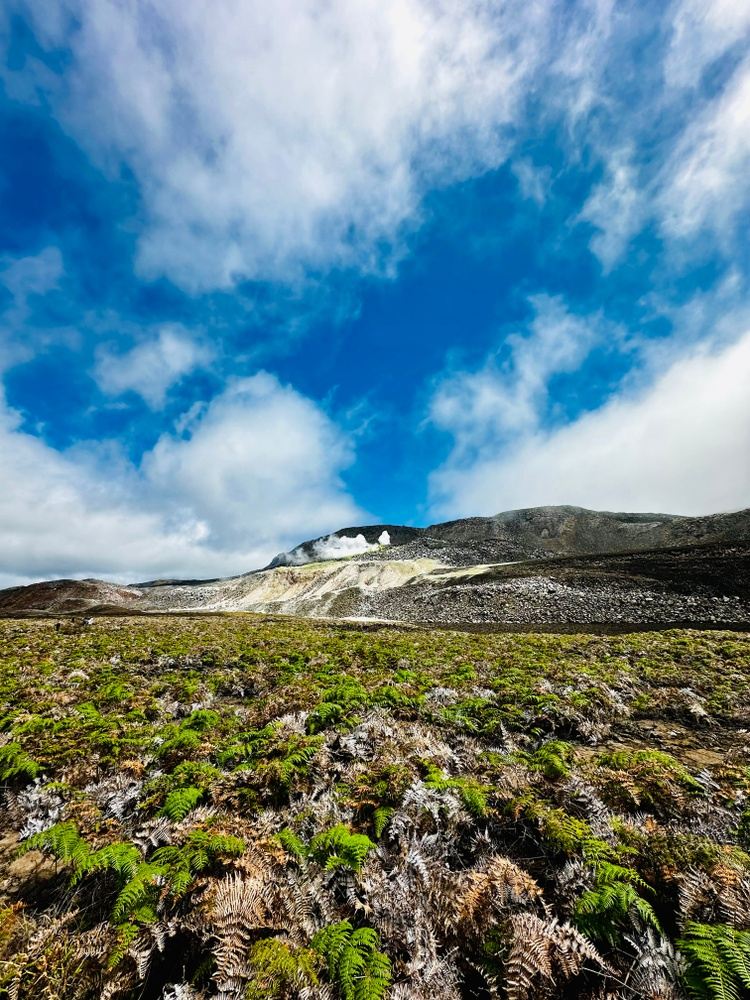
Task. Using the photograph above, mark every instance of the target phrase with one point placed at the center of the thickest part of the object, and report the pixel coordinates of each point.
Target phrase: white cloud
(503, 399)
(696, 182)
(705, 179)
(278, 141)
(617, 208)
(32, 275)
(25, 278)
(257, 470)
(702, 31)
(153, 366)
(533, 181)
(271, 138)
(680, 446)
(262, 462)
(678, 157)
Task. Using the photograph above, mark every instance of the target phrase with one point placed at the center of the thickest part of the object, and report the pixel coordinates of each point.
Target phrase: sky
(271, 270)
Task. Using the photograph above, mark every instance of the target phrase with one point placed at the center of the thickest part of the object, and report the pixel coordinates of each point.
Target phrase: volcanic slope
(540, 566)
(536, 533)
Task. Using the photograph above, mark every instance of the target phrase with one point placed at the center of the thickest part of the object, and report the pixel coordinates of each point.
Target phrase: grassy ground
(235, 806)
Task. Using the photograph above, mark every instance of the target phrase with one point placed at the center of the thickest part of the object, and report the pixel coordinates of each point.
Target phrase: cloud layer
(258, 465)
(507, 396)
(680, 446)
(272, 139)
(152, 367)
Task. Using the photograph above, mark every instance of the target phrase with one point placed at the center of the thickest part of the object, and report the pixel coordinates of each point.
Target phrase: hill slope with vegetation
(239, 807)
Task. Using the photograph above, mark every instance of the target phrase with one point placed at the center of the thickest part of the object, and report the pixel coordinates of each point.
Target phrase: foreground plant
(234, 808)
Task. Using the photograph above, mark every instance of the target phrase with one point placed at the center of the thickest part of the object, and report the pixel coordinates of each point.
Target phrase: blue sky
(270, 270)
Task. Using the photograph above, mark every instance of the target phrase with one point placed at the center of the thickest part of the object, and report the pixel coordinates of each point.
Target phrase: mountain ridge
(542, 565)
(538, 532)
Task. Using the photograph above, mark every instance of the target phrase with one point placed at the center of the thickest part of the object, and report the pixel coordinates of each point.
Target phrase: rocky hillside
(536, 533)
(61, 597)
(543, 566)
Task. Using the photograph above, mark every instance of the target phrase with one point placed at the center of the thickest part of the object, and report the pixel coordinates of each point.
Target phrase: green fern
(564, 833)
(138, 892)
(280, 971)
(277, 759)
(123, 859)
(337, 706)
(137, 880)
(291, 843)
(335, 848)
(16, 763)
(603, 911)
(135, 877)
(655, 780)
(326, 715)
(126, 935)
(180, 801)
(295, 762)
(116, 692)
(201, 850)
(201, 719)
(250, 745)
(473, 793)
(718, 961)
(349, 693)
(178, 742)
(193, 772)
(340, 848)
(64, 842)
(355, 964)
(381, 818)
(654, 760)
(552, 759)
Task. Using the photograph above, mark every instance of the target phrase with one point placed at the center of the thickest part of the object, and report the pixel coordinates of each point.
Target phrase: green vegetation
(614, 903)
(251, 808)
(719, 958)
(355, 965)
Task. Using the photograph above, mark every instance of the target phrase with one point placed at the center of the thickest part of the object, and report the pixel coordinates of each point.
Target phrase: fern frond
(472, 792)
(121, 858)
(137, 891)
(540, 947)
(291, 843)
(603, 911)
(338, 847)
(239, 907)
(552, 759)
(355, 964)
(64, 842)
(483, 894)
(719, 961)
(380, 819)
(16, 763)
(279, 971)
(200, 851)
(180, 801)
(127, 933)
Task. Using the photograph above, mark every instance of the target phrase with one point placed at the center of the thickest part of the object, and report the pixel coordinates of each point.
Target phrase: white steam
(336, 547)
(339, 547)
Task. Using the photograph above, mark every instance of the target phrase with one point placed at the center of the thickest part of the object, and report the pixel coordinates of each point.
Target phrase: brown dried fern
(484, 894)
(544, 947)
